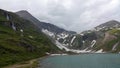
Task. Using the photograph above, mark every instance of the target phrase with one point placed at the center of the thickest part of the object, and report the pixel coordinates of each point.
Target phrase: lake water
(82, 61)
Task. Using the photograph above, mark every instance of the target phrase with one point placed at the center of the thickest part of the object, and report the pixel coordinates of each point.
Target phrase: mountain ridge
(42, 25)
(87, 41)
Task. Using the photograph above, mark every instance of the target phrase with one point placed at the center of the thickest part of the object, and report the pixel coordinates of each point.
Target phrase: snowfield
(60, 46)
(64, 46)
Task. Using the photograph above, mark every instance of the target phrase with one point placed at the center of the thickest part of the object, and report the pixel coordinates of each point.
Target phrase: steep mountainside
(42, 25)
(99, 40)
(21, 40)
(102, 40)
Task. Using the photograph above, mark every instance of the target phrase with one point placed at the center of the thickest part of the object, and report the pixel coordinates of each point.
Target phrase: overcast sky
(76, 15)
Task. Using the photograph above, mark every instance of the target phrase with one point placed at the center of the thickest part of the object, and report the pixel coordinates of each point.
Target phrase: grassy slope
(27, 64)
(109, 44)
(116, 32)
(16, 48)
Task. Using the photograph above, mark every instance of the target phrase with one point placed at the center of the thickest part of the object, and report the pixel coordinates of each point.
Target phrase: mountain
(54, 32)
(108, 25)
(21, 40)
(99, 40)
(42, 25)
(23, 37)
(102, 39)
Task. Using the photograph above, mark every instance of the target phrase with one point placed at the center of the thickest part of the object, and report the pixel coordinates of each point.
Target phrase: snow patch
(30, 36)
(64, 41)
(47, 53)
(73, 39)
(114, 47)
(57, 54)
(80, 51)
(82, 34)
(93, 43)
(63, 35)
(99, 51)
(83, 42)
(45, 31)
(60, 46)
(21, 30)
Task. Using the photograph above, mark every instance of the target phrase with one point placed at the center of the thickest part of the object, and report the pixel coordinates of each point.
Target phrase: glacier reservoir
(82, 61)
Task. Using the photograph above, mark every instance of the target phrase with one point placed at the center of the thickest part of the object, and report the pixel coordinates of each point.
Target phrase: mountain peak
(25, 11)
(42, 25)
(113, 21)
(110, 23)
(22, 13)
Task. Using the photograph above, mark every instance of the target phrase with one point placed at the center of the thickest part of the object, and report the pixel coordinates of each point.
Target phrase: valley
(23, 37)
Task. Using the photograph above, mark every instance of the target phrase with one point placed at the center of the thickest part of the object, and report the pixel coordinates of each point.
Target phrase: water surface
(82, 61)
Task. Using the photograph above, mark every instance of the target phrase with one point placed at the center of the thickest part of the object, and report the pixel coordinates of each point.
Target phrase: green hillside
(20, 40)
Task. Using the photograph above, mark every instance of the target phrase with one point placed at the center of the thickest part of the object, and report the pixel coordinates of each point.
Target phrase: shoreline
(34, 63)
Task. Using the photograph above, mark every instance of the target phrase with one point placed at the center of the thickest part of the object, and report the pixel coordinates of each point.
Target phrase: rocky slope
(99, 40)
(102, 39)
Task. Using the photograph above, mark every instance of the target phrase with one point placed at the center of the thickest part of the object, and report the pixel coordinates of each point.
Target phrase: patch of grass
(25, 64)
(2, 18)
(109, 45)
(114, 31)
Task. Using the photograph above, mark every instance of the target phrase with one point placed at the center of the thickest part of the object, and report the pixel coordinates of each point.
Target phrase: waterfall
(21, 30)
(13, 26)
(8, 18)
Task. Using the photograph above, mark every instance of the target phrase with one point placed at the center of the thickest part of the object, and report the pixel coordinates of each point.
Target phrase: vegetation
(2, 17)
(114, 31)
(108, 45)
(26, 64)
(24, 43)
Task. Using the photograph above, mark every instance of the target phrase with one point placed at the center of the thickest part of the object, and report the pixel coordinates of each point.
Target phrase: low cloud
(76, 15)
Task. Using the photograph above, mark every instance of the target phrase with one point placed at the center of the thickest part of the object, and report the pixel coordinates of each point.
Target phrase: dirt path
(109, 37)
(28, 64)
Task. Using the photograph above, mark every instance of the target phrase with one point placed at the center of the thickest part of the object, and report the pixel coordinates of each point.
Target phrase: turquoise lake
(82, 61)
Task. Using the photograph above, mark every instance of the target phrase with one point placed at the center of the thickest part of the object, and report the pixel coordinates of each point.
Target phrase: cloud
(76, 15)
